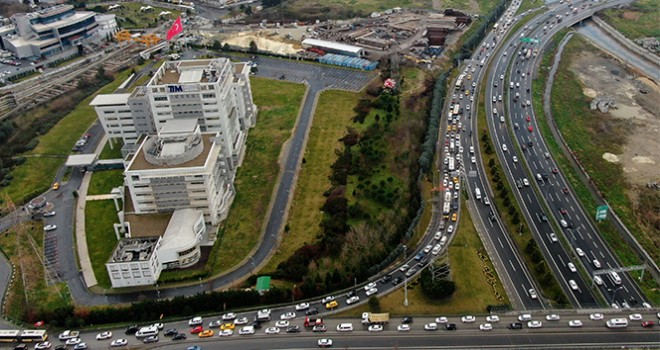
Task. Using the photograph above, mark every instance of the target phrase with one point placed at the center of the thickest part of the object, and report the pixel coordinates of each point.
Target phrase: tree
(374, 304)
(216, 45)
(436, 288)
(253, 47)
(270, 3)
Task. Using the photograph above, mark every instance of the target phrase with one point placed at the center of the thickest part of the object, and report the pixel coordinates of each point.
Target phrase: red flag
(177, 28)
(39, 323)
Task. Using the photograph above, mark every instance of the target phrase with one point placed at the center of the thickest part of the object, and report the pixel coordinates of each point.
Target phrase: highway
(549, 204)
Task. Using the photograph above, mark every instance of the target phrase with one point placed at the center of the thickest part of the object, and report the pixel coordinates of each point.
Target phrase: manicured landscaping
(114, 152)
(100, 234)
(528, 5)
(278, 104)
(129, 15)
(104, 181)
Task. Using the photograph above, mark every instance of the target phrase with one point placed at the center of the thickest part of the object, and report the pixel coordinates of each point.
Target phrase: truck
(263, 315)
(313, 321)
(369, 318)
(68, 335)
(529, 53)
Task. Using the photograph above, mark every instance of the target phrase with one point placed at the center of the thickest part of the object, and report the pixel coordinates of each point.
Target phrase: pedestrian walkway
(99, 197)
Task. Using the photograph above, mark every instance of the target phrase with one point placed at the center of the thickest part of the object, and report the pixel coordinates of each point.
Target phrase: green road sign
(530, 40)
(601, 212)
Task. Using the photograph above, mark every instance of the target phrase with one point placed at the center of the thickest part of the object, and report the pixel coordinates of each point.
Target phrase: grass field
(130, 16)
(529, 4)
(473, 293)
(333, 114)
(112, 153)
(36, 175)
(101, 240)
(104, 181)
(639, 20)
(278, 104)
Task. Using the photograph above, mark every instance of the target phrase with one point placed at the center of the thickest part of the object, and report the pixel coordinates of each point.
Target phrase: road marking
(499, 240)
(513, 267)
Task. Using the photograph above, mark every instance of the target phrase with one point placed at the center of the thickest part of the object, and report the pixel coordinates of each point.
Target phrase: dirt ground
(605, 76)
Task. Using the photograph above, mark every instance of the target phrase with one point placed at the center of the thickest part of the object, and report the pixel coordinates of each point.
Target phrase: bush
(438, 288)
(374, 304)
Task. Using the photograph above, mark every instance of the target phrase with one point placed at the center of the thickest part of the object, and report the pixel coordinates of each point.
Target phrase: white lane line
(499, 240)
(513, 267)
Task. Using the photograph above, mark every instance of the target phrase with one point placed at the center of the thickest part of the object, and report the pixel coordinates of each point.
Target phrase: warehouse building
(334, 47)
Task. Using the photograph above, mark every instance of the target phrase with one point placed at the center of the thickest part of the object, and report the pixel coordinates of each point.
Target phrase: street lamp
(405, 279)
(293, 293)
(614, 293)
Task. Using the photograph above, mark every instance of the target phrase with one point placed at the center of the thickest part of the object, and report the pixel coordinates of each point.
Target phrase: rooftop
(134, 249)
(333, 45)
(147, 225)
(139, 161)
(110, 100)
(180, 230)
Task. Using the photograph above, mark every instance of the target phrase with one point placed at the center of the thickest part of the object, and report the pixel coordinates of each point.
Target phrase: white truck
(263, 315)
(369, 318)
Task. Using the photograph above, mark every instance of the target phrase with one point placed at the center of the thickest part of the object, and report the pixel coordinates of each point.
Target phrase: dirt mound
(630, 15)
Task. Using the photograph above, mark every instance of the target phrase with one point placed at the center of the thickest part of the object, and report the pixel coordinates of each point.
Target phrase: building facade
(49, 31)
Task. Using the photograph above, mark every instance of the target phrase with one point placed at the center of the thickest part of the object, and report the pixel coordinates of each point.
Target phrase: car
(499, 98)
(194, 347)
(228, 316)
(324, 343)
(282, 323)
(56, 186)
(454, 217)
(170, 332)
(154, 338)
(246, 330)
(132, 329)
(635, 317)
(524, 317)
(563, 211)
(195, 321)
(555, 170)
(50, 228)
(515, 159)
(159, 326)
(293, 329)
(403, 328)
(525, 182)
(43, 345)
(565, 190)
(598, 280)
(375, 328)
(534, 324)
(575, 323)
(552, 317)
(372, 291)
(532, 293)
(80, 346)
(441, 319)
(468, 319)
(272, 330)
(119, 342)
(331, 305)
(485, 327)
(24, 346)
(407, 320)
(396, 281)
(72, 341)
(501, 76)
(573, 285)
(226, 333)
(302, 306)
(450, 327)
(530, 143)
(48, 214)
(596, 263)
(494, 99)
(492, 318)
(530, 128)
(327, 299)
(504, 148)
(515, 325)
(309, 312)
(215, 324)
(563, 223)
(320, 328)
(288, 316)
(596, 317)
(579, 251)
(411, 271)
(244, 320)
(228, 325)
(553, 237)
(647, 324)
(196, 330)
(572, 267)
(104, 336)
(180, 336)
(352, 300)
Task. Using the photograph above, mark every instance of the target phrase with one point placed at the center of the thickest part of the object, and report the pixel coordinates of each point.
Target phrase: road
(556, 333)
(544, 194)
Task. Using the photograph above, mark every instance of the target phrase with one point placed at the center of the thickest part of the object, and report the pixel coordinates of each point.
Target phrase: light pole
(614, 293)
(293, 293)
(405, 278)
(157, 291)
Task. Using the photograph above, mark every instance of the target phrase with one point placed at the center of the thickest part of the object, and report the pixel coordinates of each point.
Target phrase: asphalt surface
(547, 198)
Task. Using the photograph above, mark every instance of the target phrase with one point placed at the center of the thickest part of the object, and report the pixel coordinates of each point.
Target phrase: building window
(160, 98)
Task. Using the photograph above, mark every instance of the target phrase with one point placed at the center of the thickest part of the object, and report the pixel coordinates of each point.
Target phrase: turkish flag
(177, 28)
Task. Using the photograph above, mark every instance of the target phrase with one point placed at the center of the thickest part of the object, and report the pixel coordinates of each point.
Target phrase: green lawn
(473, 293)
(333, 114)
(278, 104)
(529, 4)
(104, 181)
(114, 152)
(130, 17)
(100, 234)
(36, 175)
(639, 20)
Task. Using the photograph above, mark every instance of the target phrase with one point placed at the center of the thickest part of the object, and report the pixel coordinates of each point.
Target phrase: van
(147, 331)
(615, 277)
(442, 224)
(477, 193)
(486, 201)
(539, 177)
(443, 241)
(617, 323)
(345, 327)
(438, 235)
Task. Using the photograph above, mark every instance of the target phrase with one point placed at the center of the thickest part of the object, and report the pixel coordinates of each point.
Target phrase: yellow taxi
(331, 305)
(206, 333)
(227, 326)
(448, 128)
(467, 92)
(469, 77)
(455, 179)
(56, 186)
(453, 217)
(453, 128)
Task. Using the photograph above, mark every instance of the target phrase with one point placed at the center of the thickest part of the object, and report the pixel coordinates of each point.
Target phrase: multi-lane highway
(550, 206)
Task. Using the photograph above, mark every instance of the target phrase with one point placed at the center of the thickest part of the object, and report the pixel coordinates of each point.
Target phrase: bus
(445, 208)
(457, 109)
(28, 335)
(459, 81)
(451, 164)
(447, 196)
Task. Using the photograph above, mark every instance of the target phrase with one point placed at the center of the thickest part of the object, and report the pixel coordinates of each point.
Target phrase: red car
(529, 119)
(562, 211)
(554, 170)
(196, 330)
(530, 128)
(565, 190)
(647, 324)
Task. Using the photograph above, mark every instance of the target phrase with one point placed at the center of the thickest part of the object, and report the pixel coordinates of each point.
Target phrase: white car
(515, 159)
(468, 319)
(375, 328)
(596, 317)
(288, 316)
(431, 326)
(228, 316)
(324, 343)
(119, 342)
(501, 119)
(43, 345)
(553, 237)
(282, 324)
(247, 330)
(573, 285)
(195, 321)
(635, 317)
(104, 336)
(428, 248)
(370, 286)
(534, 324)
(372, 291)
(525, 317)
(80, 346)
(552, 317)
(272, 330)
(73, 341)
(525, 182)
(159, 326)
(575, 323)
(598, 280)
(327, 299)
(226, 333)
(403, 328)
(352, 300)
(241, 321)
(50, 228)
(579, 251)
(441, 319)
(473, 160)
(492, 318)
(450, 228)
(302, 306)
(502, 77)
(532, 293)
(504, 148)
(486, 327)
(596, 263)
(572, 267)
